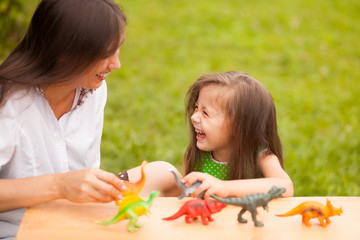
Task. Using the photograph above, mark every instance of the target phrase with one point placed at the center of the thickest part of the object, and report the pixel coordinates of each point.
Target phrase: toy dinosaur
(134, 188)
(130, 208)
(187, 191)
(251, 202)
(198, 208)
(312, 209)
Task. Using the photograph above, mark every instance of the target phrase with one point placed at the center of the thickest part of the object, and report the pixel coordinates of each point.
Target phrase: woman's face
(96, 74)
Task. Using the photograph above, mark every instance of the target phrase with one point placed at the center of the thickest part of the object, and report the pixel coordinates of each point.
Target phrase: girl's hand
(89, 185)
(209, 184)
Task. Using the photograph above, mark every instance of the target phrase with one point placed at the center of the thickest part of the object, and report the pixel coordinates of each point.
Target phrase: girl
(235, 148)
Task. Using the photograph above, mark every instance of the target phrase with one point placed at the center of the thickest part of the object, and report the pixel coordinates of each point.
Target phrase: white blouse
(34, 142)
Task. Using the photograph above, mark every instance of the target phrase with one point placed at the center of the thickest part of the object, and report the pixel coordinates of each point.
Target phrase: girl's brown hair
(63, 39)
(252, 118)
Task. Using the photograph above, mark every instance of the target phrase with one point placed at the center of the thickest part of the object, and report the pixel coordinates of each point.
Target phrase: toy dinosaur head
(135, 187)
(276, 192)
(332, 210)
(215, 206)
(154, 194)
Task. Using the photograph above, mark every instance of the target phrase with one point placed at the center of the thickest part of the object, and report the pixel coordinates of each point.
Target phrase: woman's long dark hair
(252, 120)
(64, 38)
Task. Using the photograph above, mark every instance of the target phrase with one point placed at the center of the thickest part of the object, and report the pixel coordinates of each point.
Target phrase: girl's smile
(200, 135)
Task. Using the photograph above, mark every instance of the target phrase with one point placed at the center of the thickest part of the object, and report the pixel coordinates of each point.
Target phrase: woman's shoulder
(10, 118)
(17, 103)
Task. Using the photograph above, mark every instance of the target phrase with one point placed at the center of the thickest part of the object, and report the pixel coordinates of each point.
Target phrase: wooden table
(64, 220)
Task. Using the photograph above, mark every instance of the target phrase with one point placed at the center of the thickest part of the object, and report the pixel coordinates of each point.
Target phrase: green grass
(305, 52)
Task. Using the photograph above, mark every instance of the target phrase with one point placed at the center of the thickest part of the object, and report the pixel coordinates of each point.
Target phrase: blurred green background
(306, 52)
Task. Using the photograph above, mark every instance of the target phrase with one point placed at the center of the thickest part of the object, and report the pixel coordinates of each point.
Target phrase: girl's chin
(202, 147)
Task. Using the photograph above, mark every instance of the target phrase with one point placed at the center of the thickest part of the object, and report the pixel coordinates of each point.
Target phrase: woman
(52, 98)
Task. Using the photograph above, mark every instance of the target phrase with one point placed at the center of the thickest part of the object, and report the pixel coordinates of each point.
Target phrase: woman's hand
(209, 184)
(89, 185)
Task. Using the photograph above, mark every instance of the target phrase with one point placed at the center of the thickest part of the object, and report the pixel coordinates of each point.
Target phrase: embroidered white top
(33, 142)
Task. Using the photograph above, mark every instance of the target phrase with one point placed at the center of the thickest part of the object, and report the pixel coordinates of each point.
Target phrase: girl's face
(93, 78)
(210, 122)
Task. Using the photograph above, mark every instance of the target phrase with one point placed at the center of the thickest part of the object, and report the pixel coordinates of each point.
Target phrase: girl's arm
(269, 166)
(88, 185)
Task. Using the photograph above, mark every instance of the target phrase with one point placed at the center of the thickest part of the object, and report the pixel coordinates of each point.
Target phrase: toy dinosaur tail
(134, 188)
(289, 213)
(175, 216)
(230, 200)
(118, 217)
(305, 206)
(178, 214)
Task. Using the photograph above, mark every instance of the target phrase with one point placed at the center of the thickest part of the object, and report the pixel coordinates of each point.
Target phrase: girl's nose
(195, 118)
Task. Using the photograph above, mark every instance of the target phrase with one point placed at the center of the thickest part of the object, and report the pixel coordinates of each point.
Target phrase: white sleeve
(7, 135)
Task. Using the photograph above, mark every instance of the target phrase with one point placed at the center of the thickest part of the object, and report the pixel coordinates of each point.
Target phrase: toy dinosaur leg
(305, 219)
(204, 219)
(327, 220)
(240, 218)
(187, 218)
(132, 225)
(266, 207)
(321, 220)
(256, 222)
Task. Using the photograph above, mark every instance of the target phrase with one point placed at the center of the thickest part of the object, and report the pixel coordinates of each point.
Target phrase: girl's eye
(205, 113)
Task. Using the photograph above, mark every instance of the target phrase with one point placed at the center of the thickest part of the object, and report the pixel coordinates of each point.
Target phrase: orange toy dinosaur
(134, 188)
(312, 209)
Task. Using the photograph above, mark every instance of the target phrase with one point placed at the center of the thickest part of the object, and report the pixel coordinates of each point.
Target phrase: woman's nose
(114, 61)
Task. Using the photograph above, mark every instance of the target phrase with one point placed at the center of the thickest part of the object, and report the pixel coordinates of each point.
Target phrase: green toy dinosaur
(251, 202)
(130, 208)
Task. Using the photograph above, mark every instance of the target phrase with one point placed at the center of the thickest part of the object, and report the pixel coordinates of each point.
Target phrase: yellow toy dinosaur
(313, 209)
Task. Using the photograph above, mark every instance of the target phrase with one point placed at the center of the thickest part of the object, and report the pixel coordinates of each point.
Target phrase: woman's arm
(269, 166)
(88, 185)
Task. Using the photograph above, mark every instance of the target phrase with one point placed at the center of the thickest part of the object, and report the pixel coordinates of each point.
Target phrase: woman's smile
(102, 76)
